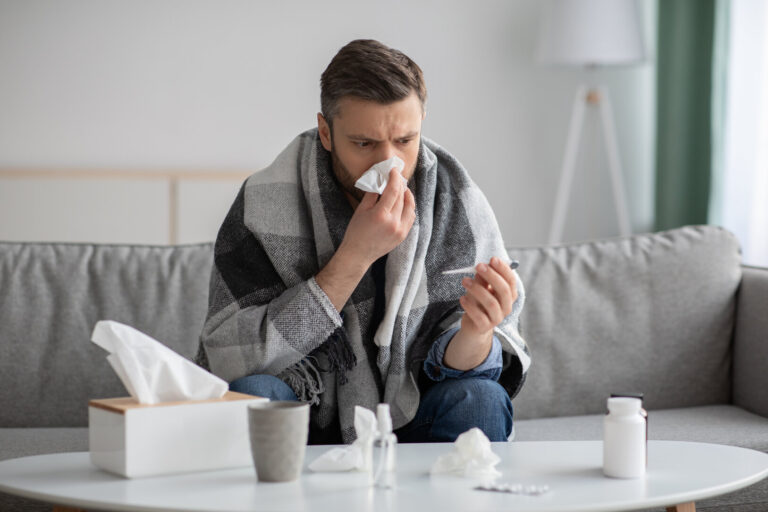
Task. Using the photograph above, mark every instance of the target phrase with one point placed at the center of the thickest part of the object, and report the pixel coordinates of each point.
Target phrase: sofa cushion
(651, 313)
(51, 295)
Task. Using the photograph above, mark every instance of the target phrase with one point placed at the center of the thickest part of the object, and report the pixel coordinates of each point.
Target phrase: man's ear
(324, 130)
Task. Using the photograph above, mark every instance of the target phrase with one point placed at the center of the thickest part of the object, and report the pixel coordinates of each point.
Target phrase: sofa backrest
(51, 295)
(650, 313)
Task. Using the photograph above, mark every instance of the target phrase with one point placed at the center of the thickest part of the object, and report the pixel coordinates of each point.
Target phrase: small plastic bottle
(387, 444)
(624, 439)
(367, 449)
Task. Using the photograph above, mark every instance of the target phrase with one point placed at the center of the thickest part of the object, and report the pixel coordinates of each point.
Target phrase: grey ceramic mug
(278, 432)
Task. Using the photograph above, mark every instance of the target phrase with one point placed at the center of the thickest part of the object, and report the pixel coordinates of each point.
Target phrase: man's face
(366, 132)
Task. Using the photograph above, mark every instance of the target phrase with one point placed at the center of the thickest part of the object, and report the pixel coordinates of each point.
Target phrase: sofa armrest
(750, 345)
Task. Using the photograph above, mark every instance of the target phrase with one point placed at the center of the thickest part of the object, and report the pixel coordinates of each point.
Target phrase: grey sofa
(673, 315)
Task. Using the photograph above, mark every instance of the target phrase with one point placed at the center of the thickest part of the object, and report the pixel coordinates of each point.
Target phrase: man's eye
(365, 143)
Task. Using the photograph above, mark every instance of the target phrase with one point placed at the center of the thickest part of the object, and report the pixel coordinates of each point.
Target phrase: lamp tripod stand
(598, 97)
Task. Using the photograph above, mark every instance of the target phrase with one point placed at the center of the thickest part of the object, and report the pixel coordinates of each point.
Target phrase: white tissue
(339, 459)
(472, 457)
(150, 371)
(375, 179)
(355, 456)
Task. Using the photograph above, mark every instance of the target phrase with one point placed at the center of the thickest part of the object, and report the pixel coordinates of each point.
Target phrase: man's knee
(460, 404)
(267, 386)
(471, 389)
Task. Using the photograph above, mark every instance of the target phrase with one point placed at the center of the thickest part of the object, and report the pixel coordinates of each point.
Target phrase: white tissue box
(136, 440)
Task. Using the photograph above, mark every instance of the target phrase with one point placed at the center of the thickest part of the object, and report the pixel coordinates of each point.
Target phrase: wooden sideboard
(115, 206)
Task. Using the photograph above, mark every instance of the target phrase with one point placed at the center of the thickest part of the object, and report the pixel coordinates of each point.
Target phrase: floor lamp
(590, 34)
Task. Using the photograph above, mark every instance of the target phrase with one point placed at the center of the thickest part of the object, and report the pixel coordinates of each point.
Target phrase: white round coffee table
(679, 473)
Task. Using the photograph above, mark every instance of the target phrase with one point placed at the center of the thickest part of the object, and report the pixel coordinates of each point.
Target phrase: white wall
(225, 85)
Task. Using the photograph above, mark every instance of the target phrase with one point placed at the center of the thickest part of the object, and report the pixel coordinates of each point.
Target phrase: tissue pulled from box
(356, 455)
(150, 371)
(375, 179)
(472, 457)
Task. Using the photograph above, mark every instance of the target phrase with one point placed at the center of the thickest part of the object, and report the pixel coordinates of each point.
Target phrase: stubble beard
(345, 178)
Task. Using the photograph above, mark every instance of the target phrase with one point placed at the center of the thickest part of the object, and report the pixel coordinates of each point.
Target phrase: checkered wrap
(268, 315)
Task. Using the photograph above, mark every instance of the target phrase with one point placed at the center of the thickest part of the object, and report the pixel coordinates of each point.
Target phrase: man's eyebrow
(370, 139)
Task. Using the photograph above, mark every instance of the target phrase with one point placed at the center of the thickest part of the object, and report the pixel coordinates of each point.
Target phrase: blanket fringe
(304, 378)
(341, 357)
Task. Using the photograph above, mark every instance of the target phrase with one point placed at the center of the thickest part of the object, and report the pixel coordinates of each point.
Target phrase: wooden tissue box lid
(121, 405)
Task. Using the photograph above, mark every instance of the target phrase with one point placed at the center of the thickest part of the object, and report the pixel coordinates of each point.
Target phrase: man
(326, 294)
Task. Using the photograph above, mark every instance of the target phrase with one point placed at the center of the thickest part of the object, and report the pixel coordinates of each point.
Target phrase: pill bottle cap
(624, 405)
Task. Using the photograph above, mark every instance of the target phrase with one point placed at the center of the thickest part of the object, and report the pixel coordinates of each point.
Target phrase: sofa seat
(23, 442)
(719, 424)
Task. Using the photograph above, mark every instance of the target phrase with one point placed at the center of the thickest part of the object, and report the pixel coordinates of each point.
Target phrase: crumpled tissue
(358, 455)
(375, 179)
(472, 457)
(152, 372)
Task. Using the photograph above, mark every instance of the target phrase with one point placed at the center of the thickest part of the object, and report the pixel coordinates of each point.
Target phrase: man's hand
(380, 224)
(489, 299)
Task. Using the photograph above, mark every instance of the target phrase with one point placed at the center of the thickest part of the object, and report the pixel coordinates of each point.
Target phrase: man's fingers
(476, 313)
(499, 285)
(392, 191)
(507, 273)
(409, 208)
(485, 298)
(369, 200)
(397, 209)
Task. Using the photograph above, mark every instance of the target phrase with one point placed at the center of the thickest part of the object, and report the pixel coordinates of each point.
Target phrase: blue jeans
(267, 386)
(447, 409)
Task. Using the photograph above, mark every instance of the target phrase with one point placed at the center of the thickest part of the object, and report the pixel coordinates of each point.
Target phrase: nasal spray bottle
(386, 444)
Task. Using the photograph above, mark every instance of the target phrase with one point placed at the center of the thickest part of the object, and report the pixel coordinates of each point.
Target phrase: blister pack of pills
(524, 490)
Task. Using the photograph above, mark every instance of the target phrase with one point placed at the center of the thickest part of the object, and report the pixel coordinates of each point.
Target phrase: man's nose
(386, 150)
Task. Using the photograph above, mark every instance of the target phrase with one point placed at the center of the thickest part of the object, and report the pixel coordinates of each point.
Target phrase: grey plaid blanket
(268, 315)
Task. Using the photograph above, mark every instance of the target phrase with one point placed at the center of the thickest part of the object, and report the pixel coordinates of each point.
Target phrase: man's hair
(369, 70)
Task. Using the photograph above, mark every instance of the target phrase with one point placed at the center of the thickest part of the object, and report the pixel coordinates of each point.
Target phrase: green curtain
(684, 121)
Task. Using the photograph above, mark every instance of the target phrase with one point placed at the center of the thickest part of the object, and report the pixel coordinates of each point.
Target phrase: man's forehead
(369, 120)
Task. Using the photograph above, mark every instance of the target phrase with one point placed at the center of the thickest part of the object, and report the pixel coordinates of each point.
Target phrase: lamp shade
(590, 33)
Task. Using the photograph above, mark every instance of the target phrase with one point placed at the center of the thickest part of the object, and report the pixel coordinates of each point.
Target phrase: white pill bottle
(624, 439)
